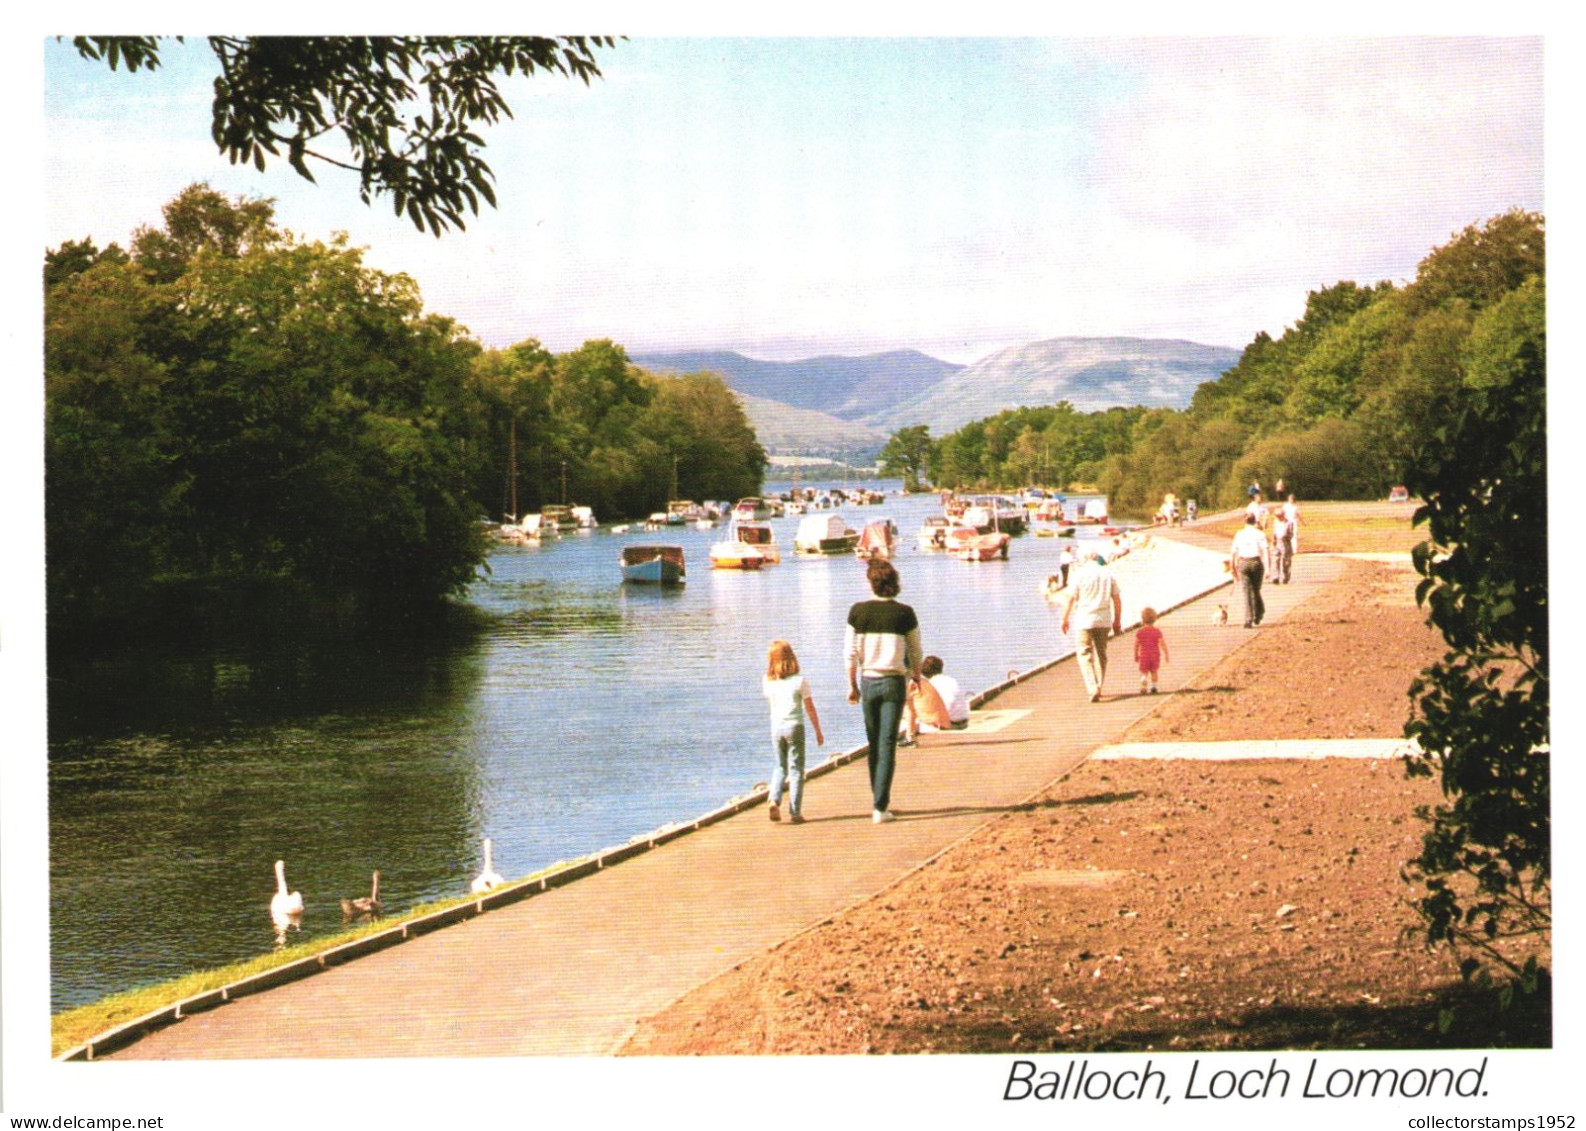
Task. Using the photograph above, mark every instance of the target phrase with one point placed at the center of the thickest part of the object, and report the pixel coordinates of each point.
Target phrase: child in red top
(1150, 650)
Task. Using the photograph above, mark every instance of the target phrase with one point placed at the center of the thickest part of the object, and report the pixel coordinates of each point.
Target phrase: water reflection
(581, 713)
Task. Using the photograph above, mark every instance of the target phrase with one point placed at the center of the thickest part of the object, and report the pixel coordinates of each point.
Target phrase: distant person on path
(1254, 490)
(1190, 509)
(1282, 549)
(1244, 561)
(941, 701)
(1150, 649)
(1094, 606)
(1291, 512)
(881, 650)
(1065, 563)
(789, 695)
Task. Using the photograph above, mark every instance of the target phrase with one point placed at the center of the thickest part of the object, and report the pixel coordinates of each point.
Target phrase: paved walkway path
(570, 971)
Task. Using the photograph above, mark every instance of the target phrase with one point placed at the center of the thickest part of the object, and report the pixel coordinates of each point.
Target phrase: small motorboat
(933, 532)
(877, 540)
(653, 565)
(762, 538)
(736, 551)
(825, 534)
(970, 545)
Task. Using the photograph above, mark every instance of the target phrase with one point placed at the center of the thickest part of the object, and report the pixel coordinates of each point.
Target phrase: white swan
(284, 904)
(489, 879)
(364, 904)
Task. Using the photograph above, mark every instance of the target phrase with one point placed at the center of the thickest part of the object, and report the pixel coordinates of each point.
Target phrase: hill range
(846, 406)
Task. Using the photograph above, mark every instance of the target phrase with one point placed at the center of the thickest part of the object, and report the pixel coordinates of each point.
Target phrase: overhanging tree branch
(404, 106)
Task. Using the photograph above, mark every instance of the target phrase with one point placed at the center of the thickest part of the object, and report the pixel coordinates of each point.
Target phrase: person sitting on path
(789, 696)
(1094, 606)
(881, 651)
(1244, 561)
(940, 700)
(1150, 649)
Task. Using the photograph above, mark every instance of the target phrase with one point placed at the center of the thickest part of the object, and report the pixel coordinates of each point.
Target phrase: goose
(284, 904)
(489, 879)
(364, 904)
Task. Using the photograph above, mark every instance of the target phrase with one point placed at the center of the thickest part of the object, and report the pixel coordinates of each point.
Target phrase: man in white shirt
(1094, 606)
(1244, 561)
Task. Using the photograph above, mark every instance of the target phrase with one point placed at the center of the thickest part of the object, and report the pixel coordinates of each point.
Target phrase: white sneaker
(882, 816)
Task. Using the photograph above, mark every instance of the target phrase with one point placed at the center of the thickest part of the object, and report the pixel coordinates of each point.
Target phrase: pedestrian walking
(789, 695)
(1150, 650)
(1244, 562)
(1094, 607)
(881, 651)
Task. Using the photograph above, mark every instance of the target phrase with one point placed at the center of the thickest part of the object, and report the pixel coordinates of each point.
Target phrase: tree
(276, 421)
(405, 107)
(1482, 719)
(76, 256)
(906, 453)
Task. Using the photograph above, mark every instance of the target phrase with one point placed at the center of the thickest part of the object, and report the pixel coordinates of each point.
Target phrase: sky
(789, 197)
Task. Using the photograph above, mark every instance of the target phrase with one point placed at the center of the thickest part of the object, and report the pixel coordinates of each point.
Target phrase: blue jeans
(788, 741)
(882, 698)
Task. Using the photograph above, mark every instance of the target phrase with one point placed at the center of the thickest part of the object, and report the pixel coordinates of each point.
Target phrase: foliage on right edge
(1481, 715)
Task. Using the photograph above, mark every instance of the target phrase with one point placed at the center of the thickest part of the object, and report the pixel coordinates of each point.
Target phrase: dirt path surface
(1159, 904)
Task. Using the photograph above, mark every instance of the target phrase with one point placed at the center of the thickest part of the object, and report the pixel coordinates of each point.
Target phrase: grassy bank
(1345, 528)
(73, 1027)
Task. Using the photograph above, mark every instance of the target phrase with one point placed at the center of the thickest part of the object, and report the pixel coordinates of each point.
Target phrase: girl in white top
(789, 696)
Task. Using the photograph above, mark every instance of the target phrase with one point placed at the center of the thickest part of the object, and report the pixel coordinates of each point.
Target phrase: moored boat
(556, 518)
(753, 509)
(1094, 511)
(653, 565)
(762, 538)
(878, 539)
(747, 546)
(933, 532)
(825, 534)
(972, 546)
(520, 533)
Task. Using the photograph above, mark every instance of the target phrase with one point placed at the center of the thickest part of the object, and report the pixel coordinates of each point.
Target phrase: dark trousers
(882, 699)
(1250, 574)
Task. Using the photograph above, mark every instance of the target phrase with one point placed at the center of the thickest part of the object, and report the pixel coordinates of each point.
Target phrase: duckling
(489, 879)
(364, 905)
(284, 905)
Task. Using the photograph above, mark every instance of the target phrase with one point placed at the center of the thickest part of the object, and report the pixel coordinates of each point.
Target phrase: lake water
(587, 712)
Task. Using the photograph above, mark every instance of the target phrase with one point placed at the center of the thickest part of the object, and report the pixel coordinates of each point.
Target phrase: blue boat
(653, 565)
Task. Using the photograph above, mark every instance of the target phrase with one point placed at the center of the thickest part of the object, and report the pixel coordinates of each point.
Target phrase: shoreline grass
(78, 1024)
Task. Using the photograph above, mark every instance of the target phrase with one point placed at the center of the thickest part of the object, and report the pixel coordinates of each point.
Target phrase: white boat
(753, 509)
(762, 538)
(970, 545)
(933, 532)
(748, 546)
(653, 565)
(825, 534)
(1095, 511)
(520, 533)
(681, 511)
(556, 518)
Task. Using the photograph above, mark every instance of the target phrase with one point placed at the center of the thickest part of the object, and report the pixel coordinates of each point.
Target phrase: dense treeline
(244, 424)
(1342, 406)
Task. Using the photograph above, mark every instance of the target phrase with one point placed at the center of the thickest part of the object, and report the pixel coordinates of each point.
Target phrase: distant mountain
(784, 429)
(1090, 373)
(853, 388)
(877, 394)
